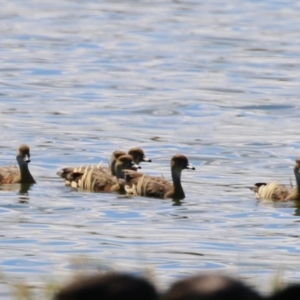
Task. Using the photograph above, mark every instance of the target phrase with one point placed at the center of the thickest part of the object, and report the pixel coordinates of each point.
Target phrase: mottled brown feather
(158, 187)
(137, 154)
(9, 175)
(98, 181)
(279, 192)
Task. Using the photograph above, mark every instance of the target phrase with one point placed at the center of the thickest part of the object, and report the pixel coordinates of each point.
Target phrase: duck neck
(118, 171)
(177, 187)
(297, 176)
(26, 176)
(113, 167)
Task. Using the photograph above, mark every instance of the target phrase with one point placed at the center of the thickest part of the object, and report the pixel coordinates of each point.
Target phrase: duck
(279, 192)
(138, 184)
(137, 154)
(98, 181)
(67, 173)
(13, 174)
(112, 164)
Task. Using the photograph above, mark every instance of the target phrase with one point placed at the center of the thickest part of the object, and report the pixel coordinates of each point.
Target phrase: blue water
(218, 82)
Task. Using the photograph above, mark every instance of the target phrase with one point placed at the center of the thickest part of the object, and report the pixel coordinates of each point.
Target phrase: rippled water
(216, 81)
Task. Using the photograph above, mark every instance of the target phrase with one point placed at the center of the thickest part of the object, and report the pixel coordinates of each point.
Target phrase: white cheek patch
(26, 158)
(73, 184)
(189, 166)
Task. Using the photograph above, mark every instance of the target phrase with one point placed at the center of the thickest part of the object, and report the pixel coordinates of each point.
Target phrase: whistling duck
(98, 181)
(67, 173)
(14, 174)
(137, 154)
(158, 187)
(280, 192)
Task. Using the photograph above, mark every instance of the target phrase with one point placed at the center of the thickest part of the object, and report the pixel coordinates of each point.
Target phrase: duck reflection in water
(23, 192)
(22, 188)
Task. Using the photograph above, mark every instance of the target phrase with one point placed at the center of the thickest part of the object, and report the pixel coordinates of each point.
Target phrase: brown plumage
(137, 154)
(67, 173)
(99, 181)
(279, 192)
(13, 174)
(158, 187)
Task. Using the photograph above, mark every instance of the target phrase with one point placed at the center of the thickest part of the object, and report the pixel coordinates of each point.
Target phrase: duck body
(142, 185)
(13, 174)
(273, 191)
(157, 187)
(93, 180)
(69, 173)
(10, 175)
(279, 192)
(101, 181)
(137, 154)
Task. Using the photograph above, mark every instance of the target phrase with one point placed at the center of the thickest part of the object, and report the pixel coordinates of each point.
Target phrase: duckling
(13, 174)
(279, 192)
(141, 185)
(98, 181)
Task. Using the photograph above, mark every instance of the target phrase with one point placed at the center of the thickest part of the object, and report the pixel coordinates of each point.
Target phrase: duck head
(179, 162)
(138, 155)
(23, 153)
(125, 162)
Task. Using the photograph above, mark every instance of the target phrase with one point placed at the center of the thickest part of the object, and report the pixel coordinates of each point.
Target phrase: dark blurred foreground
(116, 286)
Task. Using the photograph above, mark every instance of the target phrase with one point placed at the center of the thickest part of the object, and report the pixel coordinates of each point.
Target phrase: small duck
(98, 181)
(279, 192)
(137, 154)
(114, 157)
(139, 184)
(13, 174)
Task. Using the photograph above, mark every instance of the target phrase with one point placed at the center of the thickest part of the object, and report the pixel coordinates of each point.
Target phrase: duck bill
(27, 159)
(135, 167)
(189, 166)
(145, 159)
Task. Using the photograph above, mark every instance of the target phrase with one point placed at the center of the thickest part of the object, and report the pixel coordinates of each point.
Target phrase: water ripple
(216, 82)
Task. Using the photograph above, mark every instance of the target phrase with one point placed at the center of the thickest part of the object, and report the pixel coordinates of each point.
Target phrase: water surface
(217, 82)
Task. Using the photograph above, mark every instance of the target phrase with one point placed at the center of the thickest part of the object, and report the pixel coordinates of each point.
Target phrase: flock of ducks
(122, 176)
